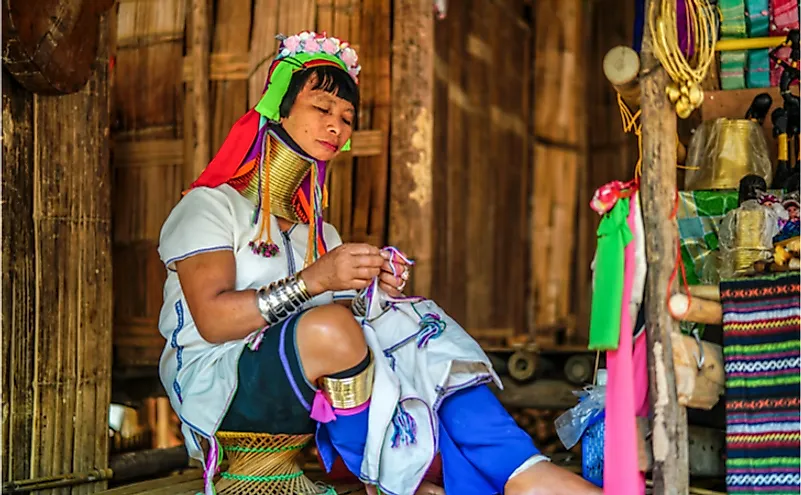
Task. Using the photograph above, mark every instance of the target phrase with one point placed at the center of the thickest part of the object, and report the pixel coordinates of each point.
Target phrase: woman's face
(319, 122)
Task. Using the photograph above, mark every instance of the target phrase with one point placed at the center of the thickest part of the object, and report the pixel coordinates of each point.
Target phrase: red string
(679, 265)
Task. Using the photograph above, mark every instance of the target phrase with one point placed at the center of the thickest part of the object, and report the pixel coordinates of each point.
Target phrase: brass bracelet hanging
(687, 74)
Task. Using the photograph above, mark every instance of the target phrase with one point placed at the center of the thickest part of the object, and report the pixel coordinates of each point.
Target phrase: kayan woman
(260, 302)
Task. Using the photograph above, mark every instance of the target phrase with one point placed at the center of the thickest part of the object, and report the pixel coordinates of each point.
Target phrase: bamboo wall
(147, 165)
(481, 114)
(56, 246)
(559, 153)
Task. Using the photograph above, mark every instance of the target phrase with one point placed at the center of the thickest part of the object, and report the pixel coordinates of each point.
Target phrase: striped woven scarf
(762, 350)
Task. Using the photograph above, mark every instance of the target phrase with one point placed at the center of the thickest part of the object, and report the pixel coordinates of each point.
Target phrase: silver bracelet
(281, 299)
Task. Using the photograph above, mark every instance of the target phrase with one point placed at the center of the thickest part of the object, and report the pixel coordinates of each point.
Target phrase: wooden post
(412, 128)
(200, 85)
(19, 280)
(669, 439)
(57, 293)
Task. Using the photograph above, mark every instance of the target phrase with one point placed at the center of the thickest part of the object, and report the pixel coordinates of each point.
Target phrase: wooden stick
(200, 84)
(697, 310)
(698, 388)
(148, 463)
(708, 292)
(622, 69)
(669, 439)
(412, 127)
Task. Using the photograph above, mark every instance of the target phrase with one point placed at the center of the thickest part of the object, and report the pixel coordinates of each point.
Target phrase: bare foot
(545, 478)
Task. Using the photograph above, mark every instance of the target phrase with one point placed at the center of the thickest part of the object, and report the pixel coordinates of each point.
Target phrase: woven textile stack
(742, 19)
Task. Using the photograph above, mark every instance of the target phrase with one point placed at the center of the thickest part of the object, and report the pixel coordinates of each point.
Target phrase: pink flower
(349, 57)
(311, 46)
(330, 47)
(292, 43)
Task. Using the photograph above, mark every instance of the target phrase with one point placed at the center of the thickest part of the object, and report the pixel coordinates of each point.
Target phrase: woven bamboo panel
(147, 166)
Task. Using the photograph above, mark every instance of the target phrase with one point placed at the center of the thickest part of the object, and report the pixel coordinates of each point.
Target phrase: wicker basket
(264, 464)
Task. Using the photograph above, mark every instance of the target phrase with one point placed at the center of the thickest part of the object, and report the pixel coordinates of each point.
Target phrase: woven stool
(264, 464)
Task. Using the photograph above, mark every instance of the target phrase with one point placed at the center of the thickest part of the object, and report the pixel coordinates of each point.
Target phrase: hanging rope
(678, 267)
(631, 124)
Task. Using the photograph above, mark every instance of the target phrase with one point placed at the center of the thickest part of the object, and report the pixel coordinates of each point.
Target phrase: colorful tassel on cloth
(432, 327)
(315, 248)
(260, 247)
(212, 467)
(254, 340)
(405, 428)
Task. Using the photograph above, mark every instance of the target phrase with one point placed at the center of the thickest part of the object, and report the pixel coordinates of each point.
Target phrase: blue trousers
(480, 443)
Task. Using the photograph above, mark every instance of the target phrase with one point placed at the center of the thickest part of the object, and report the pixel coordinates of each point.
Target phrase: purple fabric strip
(686, 43)
(285, 364)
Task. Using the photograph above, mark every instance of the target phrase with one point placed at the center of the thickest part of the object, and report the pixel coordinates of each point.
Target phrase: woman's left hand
(388, 282)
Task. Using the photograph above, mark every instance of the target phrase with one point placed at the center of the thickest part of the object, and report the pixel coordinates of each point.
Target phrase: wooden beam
(696, 309)
(412, 128)
(708, 292)
(669, 438)
(539, 394)
(222, 67)
(170, 152)
(200, 85)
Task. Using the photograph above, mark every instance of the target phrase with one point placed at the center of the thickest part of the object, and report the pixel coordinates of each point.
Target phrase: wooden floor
(191, 483)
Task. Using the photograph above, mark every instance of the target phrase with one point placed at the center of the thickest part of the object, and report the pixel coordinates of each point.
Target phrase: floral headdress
(311, 42)
(302, 51)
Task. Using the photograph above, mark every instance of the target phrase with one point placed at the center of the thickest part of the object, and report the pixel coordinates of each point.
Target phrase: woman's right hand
(348, 266)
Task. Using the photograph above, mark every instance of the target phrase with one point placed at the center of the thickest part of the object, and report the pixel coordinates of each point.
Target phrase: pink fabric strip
(621, 470)
(353, 410)
(322, 412)
(641, 377)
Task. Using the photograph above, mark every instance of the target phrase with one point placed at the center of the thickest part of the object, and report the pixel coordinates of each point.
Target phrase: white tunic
(422, 356)
(199, 377)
